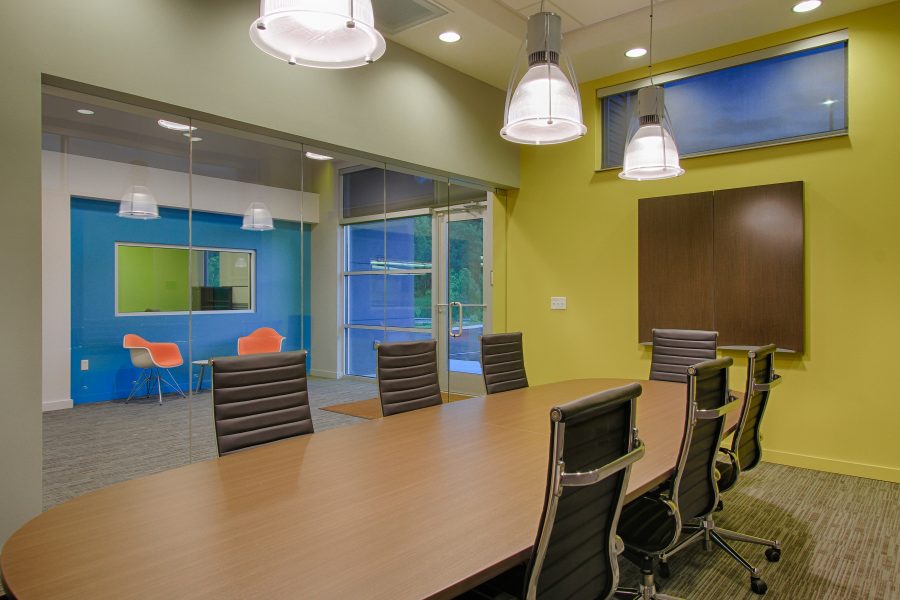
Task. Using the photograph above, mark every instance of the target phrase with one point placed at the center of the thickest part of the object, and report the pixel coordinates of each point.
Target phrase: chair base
(647, 590)
(707, 532)
(160, 375)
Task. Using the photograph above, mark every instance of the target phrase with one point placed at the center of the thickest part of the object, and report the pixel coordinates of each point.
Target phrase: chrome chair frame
(707, 530)
(149, 373)
(562, 479)
(647, 589)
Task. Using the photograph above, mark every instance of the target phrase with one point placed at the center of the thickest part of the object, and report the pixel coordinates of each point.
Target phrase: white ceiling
(597, 32)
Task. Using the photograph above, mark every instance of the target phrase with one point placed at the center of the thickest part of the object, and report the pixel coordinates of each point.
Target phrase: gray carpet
(95, 445)
(841, 535)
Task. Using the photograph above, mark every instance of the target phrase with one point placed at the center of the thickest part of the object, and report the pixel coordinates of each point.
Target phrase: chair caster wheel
(758, 586)
(720, 506)
(664, 570)
(773, 554)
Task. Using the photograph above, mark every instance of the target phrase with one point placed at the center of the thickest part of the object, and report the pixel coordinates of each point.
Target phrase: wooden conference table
(424, 504)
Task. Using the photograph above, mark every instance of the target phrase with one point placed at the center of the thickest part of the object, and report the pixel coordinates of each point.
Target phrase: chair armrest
(618, 546)
(715, 413)
(591, 477)
(765, 387)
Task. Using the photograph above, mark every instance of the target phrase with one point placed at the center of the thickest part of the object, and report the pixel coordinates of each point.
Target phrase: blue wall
(97, 332)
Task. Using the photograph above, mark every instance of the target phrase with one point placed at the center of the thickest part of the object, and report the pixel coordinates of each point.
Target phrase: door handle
(459, 306)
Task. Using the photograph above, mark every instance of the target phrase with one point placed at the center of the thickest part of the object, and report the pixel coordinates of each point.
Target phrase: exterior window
(787, 96)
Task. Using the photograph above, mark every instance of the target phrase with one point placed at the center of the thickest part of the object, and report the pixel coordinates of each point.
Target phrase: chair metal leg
(144, 377)
(647, 589)
(757, 585)
(742, 537)
(159, 386)
(170, 380)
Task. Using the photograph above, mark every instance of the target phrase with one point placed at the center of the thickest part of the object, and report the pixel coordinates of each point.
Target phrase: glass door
(464, 269)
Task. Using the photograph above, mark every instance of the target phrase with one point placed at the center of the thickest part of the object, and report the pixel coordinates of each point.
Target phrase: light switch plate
(557, 303)
(85, 365)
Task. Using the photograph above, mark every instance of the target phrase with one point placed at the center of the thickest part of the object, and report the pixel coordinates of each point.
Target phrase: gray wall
(196, 54)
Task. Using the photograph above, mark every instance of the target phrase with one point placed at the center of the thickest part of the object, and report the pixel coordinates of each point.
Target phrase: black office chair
(674, 350)
(503, 362)
(746, 446)
(593, 443)
(662, 522)
(407, 376)
(259, 398)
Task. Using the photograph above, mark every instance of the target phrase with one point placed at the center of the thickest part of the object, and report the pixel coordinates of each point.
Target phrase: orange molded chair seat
(144, 354)
(263, 340)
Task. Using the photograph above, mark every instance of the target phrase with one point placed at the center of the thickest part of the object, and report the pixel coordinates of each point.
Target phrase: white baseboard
(831, 465)
(48, 405)
(323, 374)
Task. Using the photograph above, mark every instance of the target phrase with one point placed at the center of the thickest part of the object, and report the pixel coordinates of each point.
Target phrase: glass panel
(406, 336)
(408, 243)
(112, 175)
(467, 276)
(364, 243)
(247, 205)
(776, 99)
(361, 350)
(364, 300)
(409, 301)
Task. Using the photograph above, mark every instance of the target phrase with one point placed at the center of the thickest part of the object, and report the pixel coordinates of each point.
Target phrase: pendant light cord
(650, 51)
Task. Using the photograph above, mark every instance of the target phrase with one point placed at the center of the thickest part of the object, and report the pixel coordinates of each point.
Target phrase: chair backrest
(503, 362)
(593, 442)
(259, 399)
(407, 376)
(261, 341)
(674, 350)
(761, 378)
(138, 350)
(693, 485)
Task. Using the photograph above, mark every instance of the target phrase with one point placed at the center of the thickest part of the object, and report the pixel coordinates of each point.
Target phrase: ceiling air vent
(394, 16)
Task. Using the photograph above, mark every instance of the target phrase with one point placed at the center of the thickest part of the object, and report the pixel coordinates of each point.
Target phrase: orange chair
(155, 359)
(264, 339)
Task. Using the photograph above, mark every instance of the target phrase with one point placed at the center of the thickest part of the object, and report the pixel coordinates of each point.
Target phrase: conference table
(424, 504)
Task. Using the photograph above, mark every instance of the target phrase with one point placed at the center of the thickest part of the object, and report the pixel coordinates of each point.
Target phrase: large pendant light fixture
(329, 34)
(257, 218)
(138, 202)
(544, 108)
(651, 152)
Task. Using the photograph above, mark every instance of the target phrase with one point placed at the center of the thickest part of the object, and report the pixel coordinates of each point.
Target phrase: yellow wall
(573, 232)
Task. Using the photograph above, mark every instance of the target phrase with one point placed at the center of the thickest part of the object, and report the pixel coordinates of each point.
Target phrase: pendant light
(651, 152)
(138, 202)
(545, 107)
(257, 218)
(329, 34)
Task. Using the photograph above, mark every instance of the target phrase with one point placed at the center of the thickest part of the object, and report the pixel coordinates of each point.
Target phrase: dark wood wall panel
(759, 265)
(675, 263)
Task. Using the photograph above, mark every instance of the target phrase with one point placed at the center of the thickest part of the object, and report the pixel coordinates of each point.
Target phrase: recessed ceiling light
(807, 5)
(317, 156)
(449, 37)
(636, 52)
(193, 138)
(828, 102)
(175, 126)
(84, 111)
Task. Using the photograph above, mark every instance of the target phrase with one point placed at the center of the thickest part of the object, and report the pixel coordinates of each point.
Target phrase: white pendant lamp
(329, 34)
(257, 218)
(651, 152)
(138, 202)
(544, 108)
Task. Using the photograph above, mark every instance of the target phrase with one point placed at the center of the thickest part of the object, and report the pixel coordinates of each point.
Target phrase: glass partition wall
(169, 239)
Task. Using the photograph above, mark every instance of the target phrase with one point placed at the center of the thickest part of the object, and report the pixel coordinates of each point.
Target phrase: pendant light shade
(651, 152)
(257, 218)
(138, 202)
(329, 34)
(544, 108)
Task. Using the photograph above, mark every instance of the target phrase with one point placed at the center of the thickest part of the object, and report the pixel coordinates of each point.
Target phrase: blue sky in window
(782, 97)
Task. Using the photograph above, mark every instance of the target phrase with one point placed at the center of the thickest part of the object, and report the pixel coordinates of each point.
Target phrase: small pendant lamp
(328, 34)
(138, 202)
(544, 108)
(257, 218)
(651, 152)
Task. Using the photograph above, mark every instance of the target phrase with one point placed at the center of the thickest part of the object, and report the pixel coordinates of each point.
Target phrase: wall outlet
(557, 303)
(85, 364)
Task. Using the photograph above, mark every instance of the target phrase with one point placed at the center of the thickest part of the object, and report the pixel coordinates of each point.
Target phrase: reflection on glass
(775, 99)
(466, 282)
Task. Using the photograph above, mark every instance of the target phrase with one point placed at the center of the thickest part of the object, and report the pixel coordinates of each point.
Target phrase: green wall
(573, 232)
(152, 278)
(198, 55)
